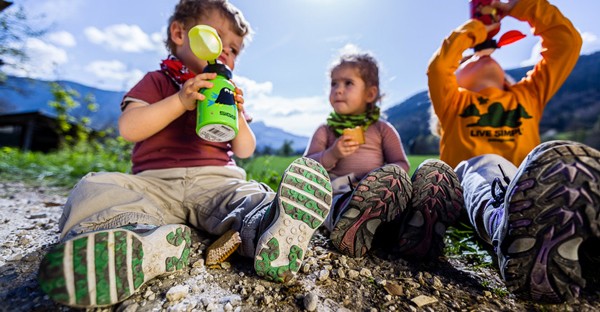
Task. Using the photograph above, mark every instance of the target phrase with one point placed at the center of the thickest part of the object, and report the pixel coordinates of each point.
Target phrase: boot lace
(499, 189)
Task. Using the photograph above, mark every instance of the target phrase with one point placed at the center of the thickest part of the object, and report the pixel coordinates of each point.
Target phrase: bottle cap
(205, 42)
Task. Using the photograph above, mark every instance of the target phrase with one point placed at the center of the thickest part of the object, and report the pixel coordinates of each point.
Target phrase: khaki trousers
(213, 199)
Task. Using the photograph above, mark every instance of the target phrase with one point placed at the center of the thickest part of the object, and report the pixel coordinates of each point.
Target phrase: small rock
(423, 300)
(353, 274)
(437, 284)
(310, 302)
(365, 272)
(323, 275)
(394, 289)
(177, 293)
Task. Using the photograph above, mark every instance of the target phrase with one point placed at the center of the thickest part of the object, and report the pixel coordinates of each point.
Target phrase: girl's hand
(344, 146)
(188, 95)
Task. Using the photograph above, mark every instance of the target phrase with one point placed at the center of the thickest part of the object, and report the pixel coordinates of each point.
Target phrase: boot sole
(374, 201)
(438, 197)
(553, 208)
(303, 202)
(99, 269)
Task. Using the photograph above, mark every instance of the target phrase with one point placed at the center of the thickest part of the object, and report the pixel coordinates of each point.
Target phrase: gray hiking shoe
(437, 201)
(552, 207)
(377, 199)
(99, 269)
(302, 203)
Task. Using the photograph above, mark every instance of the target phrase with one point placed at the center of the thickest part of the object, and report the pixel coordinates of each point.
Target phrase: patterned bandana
(173, 68)
(339, 122)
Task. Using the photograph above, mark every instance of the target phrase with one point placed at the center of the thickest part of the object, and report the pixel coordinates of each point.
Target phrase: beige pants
(213, 199)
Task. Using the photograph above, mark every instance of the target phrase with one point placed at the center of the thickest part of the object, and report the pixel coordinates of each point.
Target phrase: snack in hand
(356, 134)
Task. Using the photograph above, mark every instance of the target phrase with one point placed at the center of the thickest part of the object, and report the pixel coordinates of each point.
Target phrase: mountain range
(573, 113)
(28, 95)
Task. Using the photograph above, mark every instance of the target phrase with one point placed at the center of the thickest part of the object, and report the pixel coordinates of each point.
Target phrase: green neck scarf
(339, 122)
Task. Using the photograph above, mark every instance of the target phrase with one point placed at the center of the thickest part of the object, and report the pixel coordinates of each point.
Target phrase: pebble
(353, 274)
(177, 293)
(423, 300)
(323, 275)
(310, 302)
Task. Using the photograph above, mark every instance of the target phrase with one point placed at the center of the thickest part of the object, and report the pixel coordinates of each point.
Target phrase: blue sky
(110, 44)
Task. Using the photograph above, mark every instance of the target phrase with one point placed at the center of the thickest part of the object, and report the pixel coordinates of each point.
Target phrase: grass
(67, 166)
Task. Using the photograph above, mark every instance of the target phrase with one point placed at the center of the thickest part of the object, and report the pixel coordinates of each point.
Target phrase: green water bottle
(217, 113)
(217, 118)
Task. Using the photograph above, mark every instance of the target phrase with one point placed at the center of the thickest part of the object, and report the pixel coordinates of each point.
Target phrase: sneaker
(99, 269)
(552, 206)
(301, 205)
(378, 198)
(437, 201)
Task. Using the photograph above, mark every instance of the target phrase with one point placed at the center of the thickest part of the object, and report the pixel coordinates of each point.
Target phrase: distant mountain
(275, 137)
(573, 113)
(26, 95)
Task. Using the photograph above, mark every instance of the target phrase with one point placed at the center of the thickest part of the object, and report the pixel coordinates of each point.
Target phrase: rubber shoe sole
(552, 208)
(437, 201)
(378, 198)
(99, 269)
(302, 203)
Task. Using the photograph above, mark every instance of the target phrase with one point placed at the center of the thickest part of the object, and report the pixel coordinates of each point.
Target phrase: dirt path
(327, 281)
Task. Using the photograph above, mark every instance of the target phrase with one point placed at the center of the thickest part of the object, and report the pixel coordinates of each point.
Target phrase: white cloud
(44, 60)
(62, 38)
(299, 116)
(590, 45)
(126, 38)
(114, 75)
(535, 55)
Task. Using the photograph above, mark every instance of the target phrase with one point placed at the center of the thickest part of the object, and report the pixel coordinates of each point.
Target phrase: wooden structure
(30, 131)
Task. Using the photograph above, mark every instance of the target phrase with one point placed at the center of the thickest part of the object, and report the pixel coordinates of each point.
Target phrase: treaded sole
(437, 201)
(552, 209)
(99, 269)
(379, 197)
(303, 202)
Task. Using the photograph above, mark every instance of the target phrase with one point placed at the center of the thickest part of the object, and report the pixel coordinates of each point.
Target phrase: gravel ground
(328, 281)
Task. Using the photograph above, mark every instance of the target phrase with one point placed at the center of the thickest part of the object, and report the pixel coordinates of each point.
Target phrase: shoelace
(350, 184)
(499, 189)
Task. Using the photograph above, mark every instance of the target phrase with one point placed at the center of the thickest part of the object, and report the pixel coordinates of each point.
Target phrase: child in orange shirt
(547, 217)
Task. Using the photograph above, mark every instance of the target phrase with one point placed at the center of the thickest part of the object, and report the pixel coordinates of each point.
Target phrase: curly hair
(188, 12)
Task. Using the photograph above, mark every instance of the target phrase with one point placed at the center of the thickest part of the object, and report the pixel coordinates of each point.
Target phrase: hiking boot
(101, 268)
(551, 208)
(378, 198)
(437, 201)
(301, 205)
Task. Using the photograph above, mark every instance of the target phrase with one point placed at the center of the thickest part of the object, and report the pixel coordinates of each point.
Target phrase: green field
(268, 169)
(65, 167)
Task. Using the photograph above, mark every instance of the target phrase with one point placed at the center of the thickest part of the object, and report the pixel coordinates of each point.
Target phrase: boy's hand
(492, 27)
(188, 95)
(344, 146)
(239, 101)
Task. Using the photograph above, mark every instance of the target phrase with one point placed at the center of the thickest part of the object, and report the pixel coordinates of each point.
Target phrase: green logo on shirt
(496, 117)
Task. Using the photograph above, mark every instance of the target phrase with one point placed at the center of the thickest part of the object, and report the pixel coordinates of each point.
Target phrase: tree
(286, 148)
(72, 129)
(14, 31)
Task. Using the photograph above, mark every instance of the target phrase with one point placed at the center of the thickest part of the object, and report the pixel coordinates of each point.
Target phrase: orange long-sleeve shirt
(494, 121)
